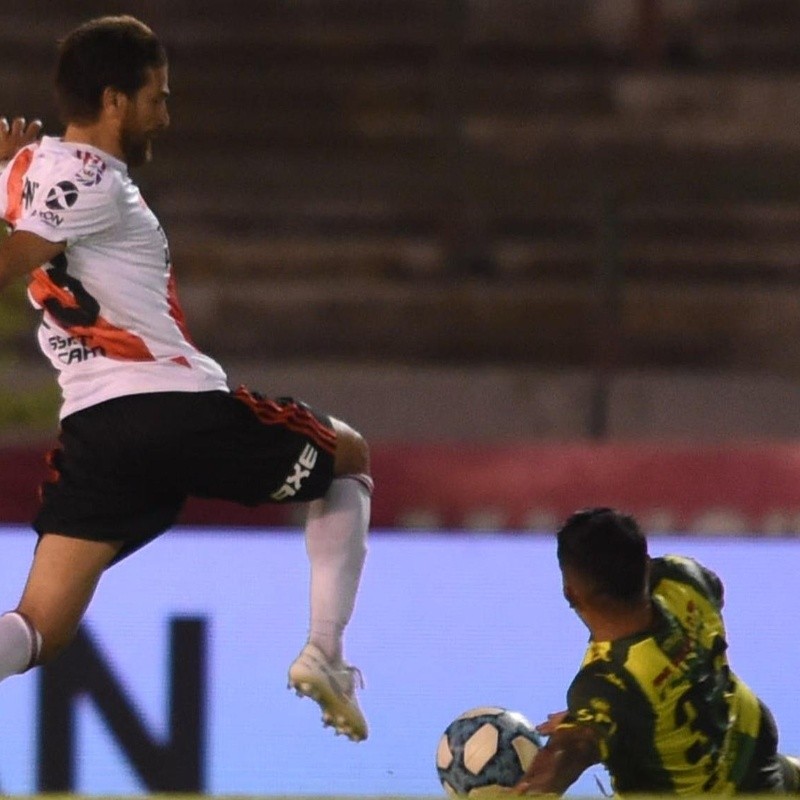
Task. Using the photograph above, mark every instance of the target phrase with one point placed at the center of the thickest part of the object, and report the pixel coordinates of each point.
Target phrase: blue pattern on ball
(503, 768)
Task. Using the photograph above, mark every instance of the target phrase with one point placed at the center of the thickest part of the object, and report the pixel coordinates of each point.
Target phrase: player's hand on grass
(17, 134)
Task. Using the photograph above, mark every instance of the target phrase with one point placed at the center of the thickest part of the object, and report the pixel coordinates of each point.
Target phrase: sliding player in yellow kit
(655, 699)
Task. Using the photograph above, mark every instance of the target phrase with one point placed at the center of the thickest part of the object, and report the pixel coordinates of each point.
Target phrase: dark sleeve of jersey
(687, 570)
(715, 586)
(600, 700)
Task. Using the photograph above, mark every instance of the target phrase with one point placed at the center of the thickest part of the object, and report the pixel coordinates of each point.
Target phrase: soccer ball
(483, 749)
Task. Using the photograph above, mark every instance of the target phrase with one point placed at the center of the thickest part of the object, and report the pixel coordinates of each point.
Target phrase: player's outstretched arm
(22, 252)
(569, 752)
(550, 726)
(17, 134)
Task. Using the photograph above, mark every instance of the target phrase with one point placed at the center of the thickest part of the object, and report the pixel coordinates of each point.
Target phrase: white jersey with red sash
(111, 324)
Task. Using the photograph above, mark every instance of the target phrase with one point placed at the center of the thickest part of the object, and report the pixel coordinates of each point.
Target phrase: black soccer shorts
(124, 468)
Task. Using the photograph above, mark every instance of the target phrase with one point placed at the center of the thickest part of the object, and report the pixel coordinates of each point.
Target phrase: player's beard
(136, 147)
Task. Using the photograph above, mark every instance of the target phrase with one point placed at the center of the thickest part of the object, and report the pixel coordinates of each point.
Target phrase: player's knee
(352, 451)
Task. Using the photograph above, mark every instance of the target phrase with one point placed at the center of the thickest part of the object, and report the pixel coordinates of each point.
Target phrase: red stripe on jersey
(293, 416)
(115, 342)
(175, 310)
(16, 184)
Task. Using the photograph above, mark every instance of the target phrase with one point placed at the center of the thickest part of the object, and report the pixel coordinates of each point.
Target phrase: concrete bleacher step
(756, 35)
(722, 248)
(546, 323)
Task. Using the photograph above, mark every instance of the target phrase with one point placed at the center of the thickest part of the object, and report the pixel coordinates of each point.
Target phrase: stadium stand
(477, 180)
(523, 185)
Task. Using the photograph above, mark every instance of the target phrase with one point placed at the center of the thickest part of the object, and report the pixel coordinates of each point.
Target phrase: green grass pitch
(442, 796)
(316, 797)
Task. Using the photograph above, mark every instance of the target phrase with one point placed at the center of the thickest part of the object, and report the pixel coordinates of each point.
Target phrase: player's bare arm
(17, 134)
(22, 252)
(567, 755)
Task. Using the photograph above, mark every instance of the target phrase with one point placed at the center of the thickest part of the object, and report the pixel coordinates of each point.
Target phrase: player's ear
(114, 102)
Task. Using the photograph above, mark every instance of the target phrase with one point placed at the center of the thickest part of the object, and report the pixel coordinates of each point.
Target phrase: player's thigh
(62, 579)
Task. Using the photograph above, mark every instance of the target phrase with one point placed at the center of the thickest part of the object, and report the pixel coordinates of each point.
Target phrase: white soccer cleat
(333, 687)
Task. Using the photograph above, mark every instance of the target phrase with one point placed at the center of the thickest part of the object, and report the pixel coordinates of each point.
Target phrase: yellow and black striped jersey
(670, 715)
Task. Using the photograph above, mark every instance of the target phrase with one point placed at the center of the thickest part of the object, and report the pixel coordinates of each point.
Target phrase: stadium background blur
(495, 222)
(543, 253)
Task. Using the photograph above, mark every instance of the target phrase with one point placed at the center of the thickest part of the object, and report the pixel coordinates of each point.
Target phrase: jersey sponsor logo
(28, 192)
(66, 300)
(92, 170)
(300, 471)
(49, 217)
(74, 349)
(597, 712)
(62, 196)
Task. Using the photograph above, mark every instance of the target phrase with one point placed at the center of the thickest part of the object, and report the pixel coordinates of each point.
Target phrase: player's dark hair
(114, 51)
(608, 548)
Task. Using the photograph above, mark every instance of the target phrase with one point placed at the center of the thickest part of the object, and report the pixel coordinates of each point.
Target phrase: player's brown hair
(111, 51)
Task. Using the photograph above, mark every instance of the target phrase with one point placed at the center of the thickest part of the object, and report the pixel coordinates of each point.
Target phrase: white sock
(336, 542)
(20, 643)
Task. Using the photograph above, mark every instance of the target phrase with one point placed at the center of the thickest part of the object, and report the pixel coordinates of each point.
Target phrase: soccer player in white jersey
(147, 419)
